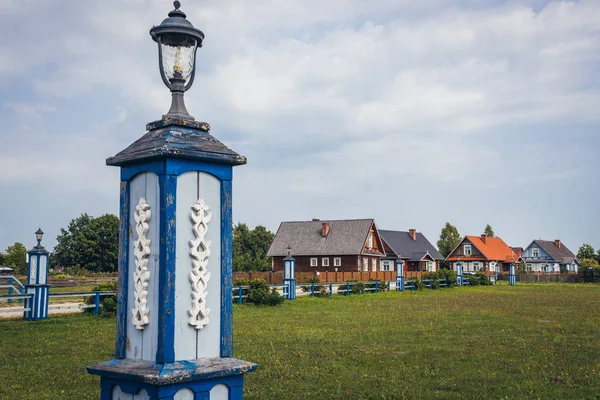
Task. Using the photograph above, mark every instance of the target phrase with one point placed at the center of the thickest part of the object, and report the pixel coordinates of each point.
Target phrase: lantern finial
(177, 4)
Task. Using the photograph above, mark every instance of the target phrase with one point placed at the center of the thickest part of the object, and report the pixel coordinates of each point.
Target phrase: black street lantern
(38, 237)
(177, 41)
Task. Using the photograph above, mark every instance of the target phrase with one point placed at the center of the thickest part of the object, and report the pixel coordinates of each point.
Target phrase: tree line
(92, 244)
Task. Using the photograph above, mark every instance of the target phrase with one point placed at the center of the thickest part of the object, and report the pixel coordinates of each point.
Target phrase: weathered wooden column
(174, 311)
(400, 275)
(289, 277)
(36, 306)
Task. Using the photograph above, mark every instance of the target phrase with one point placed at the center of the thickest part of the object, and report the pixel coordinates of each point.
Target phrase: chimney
(557, 243)
(324, 229)
(413, 234)
(483, 237)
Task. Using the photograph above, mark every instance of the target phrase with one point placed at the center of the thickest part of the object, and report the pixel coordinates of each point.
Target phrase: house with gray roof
(348, 245)
(549, 256)
(413, 247)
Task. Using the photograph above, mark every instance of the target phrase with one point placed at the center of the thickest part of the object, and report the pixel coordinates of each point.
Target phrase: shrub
(61, 276)
(108, 304)
(482, 278)
(418, 284)
(259, 292)
(77, 271)
(372, 283)
(310, 281)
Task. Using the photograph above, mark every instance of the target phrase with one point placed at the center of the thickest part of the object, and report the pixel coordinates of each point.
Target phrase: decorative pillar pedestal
(174, 308)
(512, 277)
(36, 307)
(400, 275)
(289, 277)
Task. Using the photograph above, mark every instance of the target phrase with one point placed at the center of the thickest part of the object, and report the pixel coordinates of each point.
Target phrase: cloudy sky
(410, 112)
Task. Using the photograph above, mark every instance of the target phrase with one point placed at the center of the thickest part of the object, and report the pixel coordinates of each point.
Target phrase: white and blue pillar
(459, 273)
(400, 275)
(289, 275)
(36, 306)
(512, 277)
(174, 308)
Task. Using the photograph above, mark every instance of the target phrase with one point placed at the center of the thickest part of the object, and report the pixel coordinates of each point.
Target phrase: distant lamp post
(400, 274)
(36, 306)
(459, 273)
(177, 41)
(289, 281)
(512, 277)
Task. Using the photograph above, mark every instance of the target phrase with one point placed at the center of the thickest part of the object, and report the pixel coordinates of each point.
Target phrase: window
(314, 262)
(370, 241)
(475, 266)
(374, 265)
(337, 262)
(467, 249)
(365, 264)
(535, 253)
(429, 266)
(325, 261)
(386, 265)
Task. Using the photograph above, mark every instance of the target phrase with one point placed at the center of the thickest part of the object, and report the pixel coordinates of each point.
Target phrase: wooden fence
(541, 278)
(276, 278)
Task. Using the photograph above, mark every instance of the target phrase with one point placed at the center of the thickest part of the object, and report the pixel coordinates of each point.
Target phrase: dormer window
(467, 250)
(535, 253)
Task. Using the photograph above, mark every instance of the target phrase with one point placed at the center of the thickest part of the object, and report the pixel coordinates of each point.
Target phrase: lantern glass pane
(178, 59)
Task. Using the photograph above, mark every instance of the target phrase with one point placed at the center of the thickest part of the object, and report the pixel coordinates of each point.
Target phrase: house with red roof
(483, 253)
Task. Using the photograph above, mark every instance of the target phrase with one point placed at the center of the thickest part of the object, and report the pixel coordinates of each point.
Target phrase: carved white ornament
(141, 275)
(199, 277)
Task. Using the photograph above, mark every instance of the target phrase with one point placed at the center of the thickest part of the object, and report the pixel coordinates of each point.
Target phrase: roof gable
(346, 237)
(560, 254)
(404, 246)
(494, 248)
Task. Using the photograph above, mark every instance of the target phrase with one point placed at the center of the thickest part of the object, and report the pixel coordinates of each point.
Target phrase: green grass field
(500, 342)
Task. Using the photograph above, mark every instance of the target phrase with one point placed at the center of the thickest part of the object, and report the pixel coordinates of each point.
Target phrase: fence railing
(96, 306)
(346, 288)
(11, 281)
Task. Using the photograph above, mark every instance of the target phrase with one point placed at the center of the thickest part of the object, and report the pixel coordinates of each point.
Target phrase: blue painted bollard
(512, 277)
(36, 306)
(289, 277)
(400, 275)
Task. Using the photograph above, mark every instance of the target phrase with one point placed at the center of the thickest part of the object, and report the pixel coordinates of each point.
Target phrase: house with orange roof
(483, 253)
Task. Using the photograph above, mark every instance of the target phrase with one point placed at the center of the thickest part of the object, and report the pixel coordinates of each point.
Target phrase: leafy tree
(586, 251)
(488, 231)
(90, 242)
(1, 258)
(250, 248)
(449, 239)
(16, 257)
(588, 262)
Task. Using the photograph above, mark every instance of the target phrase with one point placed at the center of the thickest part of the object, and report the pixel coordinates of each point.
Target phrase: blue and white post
(512, 277)
(36, 306)
(289, 279)
(400, 275)
(174, 307)
(459, 273)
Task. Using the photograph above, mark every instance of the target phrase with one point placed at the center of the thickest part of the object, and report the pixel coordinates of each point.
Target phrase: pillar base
(207, 379)
(36, 306)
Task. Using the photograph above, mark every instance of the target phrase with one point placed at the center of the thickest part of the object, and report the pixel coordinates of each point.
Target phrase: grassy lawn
(501, 342)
